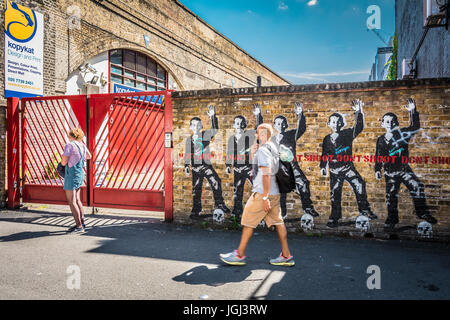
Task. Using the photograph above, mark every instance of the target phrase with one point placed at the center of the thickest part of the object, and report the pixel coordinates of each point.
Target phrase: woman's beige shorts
(254, 211)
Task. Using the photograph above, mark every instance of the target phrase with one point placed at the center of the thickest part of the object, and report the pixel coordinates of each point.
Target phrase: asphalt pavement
(121, 257)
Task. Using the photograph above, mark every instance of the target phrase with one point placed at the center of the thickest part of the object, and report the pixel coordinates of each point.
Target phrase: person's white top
(266, 156)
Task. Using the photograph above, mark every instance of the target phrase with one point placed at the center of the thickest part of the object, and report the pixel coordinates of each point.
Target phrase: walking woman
(73, 158)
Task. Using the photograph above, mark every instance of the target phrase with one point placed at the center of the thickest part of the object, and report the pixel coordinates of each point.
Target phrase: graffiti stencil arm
(301, 123)
(230, 154)
(378, 152)
(414, 118)
(324, 158)
(357, 106)
(187, 156)
(258, 114)
(214, 122)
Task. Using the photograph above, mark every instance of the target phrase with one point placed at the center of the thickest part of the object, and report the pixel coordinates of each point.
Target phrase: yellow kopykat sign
(24, 51)
(20, 22)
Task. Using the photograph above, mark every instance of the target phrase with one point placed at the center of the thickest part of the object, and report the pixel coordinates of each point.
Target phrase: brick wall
(319, 102)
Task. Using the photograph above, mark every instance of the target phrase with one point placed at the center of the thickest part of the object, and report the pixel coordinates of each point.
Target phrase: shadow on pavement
(327, 267)
(30, 235)
(213, 276)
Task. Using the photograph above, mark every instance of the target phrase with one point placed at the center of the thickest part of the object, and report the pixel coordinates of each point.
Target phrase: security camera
(90, 67)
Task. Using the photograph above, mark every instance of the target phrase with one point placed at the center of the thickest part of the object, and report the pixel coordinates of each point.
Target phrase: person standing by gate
(73, 158)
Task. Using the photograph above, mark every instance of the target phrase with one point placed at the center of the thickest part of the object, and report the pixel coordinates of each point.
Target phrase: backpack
(285, 177)
(285, 174)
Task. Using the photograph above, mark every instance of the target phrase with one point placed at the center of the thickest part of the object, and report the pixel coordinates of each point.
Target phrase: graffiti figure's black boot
(332, 223)
(370, 215)
(224, 208)
(429, 218)
(389, 227)
(195, 214)
(312, 212)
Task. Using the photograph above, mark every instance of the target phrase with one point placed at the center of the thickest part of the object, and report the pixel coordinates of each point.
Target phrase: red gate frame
(13, 166)
(15, 184)
(168, 160)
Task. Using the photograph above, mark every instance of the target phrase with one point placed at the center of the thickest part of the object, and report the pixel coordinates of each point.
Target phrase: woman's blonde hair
(77, 134)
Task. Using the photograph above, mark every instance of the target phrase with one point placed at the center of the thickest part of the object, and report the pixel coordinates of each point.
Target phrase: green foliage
(235, 223)
(392, 75)
(314, 234)
(50, 168)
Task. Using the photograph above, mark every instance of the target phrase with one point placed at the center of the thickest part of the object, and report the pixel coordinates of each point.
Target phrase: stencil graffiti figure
(336, 155)
(394, 143)
(198, 155)
(238, 157)
(286, 142)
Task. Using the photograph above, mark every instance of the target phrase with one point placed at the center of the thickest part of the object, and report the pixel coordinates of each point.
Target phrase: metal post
(88, 163)
(12, 127)
(168, 163)
(90, 135)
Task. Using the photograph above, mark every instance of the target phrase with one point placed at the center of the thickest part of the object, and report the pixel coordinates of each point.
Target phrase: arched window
(135, 70)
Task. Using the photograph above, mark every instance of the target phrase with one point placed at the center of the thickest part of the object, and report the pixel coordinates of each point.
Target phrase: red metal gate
(45, 124)
(131, 165)
(128, 150)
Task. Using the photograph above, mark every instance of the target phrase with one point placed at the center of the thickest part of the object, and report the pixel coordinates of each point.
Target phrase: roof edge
(365, 86)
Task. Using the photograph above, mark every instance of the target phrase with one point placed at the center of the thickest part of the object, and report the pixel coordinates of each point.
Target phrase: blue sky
(304, 41)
